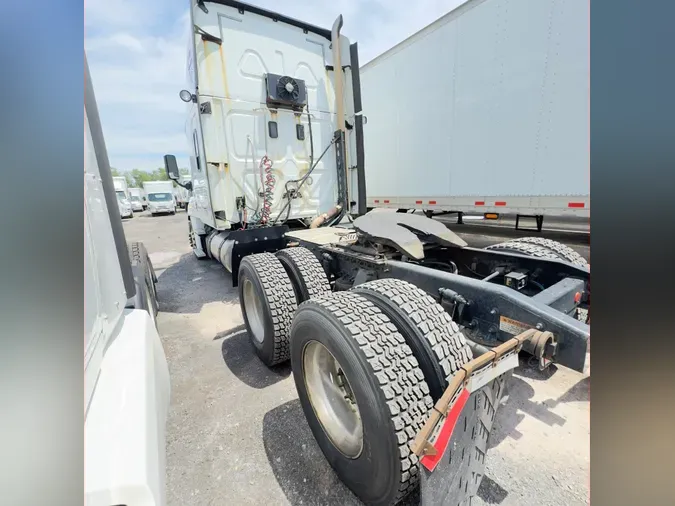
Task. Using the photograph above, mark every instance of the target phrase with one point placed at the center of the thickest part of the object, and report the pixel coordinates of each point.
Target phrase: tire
(153, 214)
(267, 303)
(564, 252)
(144, 279)
(389, 389)
(435, 340)
(192, 237)
(305, 272)
(522, 248)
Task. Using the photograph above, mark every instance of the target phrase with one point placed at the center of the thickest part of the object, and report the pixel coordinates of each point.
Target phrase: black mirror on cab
(171, 167)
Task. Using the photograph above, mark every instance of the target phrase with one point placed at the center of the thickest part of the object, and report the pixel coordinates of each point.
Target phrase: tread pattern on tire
(140, 260)
(442, 334)
(310, 269)
(135, 254)
(280, 297)
(524, 248)
(563, 251)
(396, 369)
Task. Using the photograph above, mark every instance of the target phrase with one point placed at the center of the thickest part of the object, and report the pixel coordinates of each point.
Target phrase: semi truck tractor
(138, 200)
(484, 111)
(125, 371)
(400, 336)
(160, 197)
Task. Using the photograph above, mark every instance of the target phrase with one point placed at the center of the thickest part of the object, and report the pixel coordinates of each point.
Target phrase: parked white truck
(137, 197)
(125, 370)
(484, 111)
(160, 197)
(123, 200)
(181, 193)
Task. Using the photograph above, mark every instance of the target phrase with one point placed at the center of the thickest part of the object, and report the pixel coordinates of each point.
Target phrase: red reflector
(418, 202)
(386, 201)
(500, 203)
(432, 202)
(479, 203)
(376, 201)
(577, 297)
(431, 461)
(576, 204)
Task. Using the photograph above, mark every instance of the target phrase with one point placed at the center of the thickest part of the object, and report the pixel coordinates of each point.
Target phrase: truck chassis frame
(490, 313)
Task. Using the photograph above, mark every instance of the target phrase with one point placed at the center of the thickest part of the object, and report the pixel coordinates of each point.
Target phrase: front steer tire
(267, 303)
(387, 384)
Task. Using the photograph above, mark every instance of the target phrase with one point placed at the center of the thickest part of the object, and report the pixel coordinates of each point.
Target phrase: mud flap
(255, 240)
(459, 470)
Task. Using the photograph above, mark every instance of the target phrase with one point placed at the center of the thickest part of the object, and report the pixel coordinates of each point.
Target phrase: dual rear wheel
(368, 364)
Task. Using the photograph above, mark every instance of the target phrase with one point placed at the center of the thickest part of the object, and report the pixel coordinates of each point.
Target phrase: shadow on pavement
(241, 359)
(303, 472)
(188, 284)
(297, 461)
(516, 407)
(580, 392)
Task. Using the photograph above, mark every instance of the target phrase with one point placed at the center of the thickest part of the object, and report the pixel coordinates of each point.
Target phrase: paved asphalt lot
(236, 433)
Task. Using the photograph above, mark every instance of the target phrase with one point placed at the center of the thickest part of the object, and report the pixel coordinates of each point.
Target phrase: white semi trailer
(484, 111)
(125, 370)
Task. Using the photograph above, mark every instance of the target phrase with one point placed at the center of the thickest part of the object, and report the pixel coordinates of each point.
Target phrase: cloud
(137, 49)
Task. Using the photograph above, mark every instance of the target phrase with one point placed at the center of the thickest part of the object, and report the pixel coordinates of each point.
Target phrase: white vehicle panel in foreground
(124, 426)
(105, 296)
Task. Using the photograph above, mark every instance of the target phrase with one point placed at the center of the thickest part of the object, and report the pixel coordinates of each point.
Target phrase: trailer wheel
(307, 275)
(435, 340)
(362, 393)
(564, 252)
(267, 303)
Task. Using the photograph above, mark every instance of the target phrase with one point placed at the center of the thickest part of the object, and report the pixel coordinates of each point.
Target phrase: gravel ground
(236, 433)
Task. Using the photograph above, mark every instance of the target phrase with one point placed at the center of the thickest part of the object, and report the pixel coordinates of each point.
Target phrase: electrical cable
(304, 178)
(311, 163)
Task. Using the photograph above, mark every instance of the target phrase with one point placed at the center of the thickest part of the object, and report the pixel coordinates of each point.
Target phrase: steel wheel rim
(254, 311)
(332, 399)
